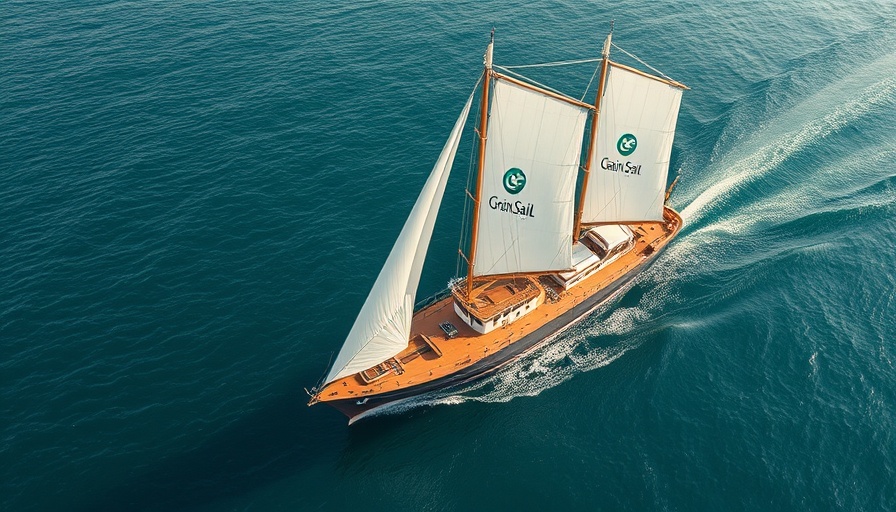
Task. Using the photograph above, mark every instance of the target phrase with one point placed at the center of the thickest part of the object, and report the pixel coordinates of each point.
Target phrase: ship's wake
(554, 363)
(549, 366)
(815, 119)
(745, 194)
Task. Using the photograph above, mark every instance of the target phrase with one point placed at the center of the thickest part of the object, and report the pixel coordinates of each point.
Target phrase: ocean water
(195, 198)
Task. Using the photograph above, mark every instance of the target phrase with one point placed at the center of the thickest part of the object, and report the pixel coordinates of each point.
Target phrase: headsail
(630, 163)
(528, 183)
(383, 325)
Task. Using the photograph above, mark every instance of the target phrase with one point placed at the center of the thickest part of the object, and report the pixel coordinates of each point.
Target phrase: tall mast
(483, 122)
(577, 225)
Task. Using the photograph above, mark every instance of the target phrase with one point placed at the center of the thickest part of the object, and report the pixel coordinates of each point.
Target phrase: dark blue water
(195, 198)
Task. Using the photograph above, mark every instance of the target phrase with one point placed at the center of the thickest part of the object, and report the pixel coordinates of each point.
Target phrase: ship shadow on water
(279, 440)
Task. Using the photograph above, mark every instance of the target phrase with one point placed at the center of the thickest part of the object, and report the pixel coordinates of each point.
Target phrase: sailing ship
(537, 260)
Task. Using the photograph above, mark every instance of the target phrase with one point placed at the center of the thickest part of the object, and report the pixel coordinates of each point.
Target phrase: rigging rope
(526, 78)
(644, 63)
(551, 64)
(593, 75)
(585, 61)
(468, 204)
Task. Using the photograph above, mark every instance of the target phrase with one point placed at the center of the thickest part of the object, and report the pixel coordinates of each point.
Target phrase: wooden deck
(491, 297)
(421, 363)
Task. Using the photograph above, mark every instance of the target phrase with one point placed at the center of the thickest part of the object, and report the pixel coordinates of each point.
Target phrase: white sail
(383, 325)
(528, 184)
(634, 141)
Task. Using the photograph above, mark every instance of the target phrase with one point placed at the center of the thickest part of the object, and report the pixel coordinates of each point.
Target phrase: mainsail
(383, 325)
(528, 183)
(634, 135)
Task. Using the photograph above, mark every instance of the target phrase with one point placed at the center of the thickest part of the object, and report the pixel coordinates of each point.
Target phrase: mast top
(487, 58)
(608, 41)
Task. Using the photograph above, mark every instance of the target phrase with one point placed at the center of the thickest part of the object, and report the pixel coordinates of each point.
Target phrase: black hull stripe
(490, 364)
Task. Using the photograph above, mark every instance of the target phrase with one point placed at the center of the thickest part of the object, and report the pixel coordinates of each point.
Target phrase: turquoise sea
(195, 198)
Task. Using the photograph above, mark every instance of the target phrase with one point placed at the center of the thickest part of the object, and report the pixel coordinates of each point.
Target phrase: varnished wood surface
(491, 297)
(469, 346)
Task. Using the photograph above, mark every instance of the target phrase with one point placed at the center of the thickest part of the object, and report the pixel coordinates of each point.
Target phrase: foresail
(630, 163)
(528, 184)
(383, 325)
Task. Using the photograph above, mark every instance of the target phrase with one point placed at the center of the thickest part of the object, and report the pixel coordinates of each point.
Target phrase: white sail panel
(634, 142)
(383, 325)
(528, 184)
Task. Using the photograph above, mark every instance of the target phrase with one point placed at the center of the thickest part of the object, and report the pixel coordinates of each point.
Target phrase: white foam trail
(816, 117)
(774, 144)
(764, 153)
(545, 368)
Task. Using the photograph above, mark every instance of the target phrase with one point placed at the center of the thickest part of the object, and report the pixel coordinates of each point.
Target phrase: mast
(577, 225)
(483, 122)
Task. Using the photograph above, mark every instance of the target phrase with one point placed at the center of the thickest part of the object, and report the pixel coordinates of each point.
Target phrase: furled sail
(383, 325)
(634, 142)
(528, 184)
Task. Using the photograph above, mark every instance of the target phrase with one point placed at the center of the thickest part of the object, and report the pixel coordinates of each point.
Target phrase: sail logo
(518, 208)
(514, 180)
(627, 144)
(617, 166)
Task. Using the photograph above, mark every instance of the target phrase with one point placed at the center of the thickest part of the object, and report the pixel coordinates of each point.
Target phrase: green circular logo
(514, 180)
(626, 144)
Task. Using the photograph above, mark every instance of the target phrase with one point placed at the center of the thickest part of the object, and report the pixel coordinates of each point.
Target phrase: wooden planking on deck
(469, 346)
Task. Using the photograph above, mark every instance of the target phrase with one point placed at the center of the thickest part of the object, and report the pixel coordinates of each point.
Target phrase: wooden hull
(358, 407)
